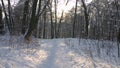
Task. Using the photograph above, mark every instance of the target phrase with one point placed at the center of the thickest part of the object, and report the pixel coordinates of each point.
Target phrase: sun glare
(13, 2)
(63, 7)
(88, 1)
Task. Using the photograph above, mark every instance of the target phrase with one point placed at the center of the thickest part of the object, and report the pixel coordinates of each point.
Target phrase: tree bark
(1, 22)
(33, 23)
(6, 16)
(75, 15)
(51, 19)
(55, 29)
(44, 25)
(25, 13)
(86, 16)
(11, 21)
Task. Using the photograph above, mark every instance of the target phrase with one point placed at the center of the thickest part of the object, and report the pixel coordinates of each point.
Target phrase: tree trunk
(55, 29)
(11, 21)
(75, 15)
(118, 35)
(6, 16)
(33, 22)
(118, 42)
(1, 22)
(52, 26)
(86, 17)
(25, 13)
(51, 19)
(44, 25)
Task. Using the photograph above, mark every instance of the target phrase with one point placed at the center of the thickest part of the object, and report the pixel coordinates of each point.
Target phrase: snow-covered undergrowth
(57, 53)
(94, 53)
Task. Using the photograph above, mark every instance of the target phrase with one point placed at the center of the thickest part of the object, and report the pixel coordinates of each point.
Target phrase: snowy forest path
(49, 62)
(56, 54)
(67, 54)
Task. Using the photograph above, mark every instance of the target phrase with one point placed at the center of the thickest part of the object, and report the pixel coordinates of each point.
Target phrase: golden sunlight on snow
(71, 54)
(87, 62)
(40, 56)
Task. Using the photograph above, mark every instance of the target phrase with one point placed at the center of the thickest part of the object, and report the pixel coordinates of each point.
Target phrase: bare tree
(117, 16)
(1, 22)
(33, 23)
(55, 27)
(38, 32)
(6, 16)
(75, 15)
(10, 17)
(35, 17)
(86, 16)
(51, 19)
(25, 14)
(44, 25)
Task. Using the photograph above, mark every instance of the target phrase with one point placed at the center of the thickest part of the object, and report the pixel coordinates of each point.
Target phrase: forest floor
(58, 53)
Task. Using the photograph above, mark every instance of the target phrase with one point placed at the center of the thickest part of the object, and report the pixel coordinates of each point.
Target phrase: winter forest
(87, 32)
(96, 19)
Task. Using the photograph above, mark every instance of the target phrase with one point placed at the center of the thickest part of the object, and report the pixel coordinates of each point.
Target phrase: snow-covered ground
(57, 53)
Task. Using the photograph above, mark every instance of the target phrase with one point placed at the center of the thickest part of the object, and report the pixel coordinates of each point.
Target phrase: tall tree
(1, 22)
(6, 16)
(117, 16)
(51, 19)
(86, 16)
(55, 27)
(75, 15)
(10, 17)
(0, 15)
(44, 25)
(38, 32)
(25, 14)
(35, 17)
(33, 23)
